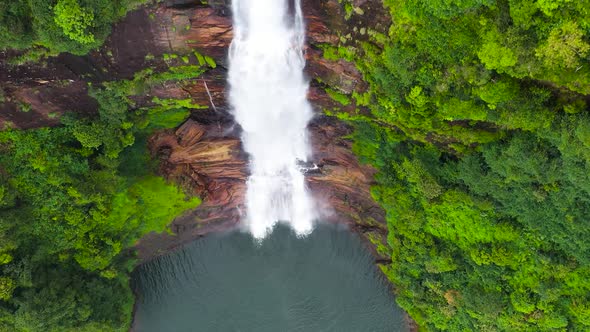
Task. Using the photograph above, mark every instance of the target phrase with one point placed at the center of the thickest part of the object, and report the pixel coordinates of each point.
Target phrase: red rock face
(204, 155)
(209, 163)
(205, 29)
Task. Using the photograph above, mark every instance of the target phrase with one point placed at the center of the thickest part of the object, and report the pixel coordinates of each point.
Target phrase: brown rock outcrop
(209, 165)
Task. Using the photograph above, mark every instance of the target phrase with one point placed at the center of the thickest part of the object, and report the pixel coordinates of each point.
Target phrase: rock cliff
(204, 153)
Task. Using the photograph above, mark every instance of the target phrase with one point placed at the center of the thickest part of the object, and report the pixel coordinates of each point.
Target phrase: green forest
(479, 126)
(74, 198)
(50, 27)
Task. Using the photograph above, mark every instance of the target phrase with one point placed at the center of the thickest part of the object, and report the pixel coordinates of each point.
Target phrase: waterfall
(268, 95)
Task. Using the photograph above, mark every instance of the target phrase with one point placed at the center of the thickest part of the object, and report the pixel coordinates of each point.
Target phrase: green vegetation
(23, 107)
(73, 199)
(480, 128)
(205, 60)
(49, 27)
(339, 97)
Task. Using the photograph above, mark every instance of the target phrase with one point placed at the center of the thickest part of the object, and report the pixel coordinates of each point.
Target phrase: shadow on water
(324, 282)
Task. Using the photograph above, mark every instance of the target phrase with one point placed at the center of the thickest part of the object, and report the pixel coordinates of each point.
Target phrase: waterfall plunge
(268, 94)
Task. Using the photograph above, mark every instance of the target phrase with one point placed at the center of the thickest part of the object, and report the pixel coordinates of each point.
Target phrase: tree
(565, 47)
(74, 20)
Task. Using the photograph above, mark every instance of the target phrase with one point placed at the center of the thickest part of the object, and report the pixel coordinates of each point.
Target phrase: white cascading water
(268, 94)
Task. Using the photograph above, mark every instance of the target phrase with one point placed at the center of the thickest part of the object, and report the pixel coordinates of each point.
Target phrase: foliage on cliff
(73, 199)
(480, 128)
(55, 26)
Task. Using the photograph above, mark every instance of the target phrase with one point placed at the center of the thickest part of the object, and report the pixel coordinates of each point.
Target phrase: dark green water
(324, 282)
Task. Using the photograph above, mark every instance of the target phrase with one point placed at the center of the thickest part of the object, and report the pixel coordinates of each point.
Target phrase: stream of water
(268, 94)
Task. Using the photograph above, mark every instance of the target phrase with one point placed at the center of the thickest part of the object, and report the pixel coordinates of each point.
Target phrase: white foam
(268, 94)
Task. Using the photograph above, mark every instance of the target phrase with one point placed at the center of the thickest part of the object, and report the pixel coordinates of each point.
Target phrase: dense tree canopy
(74, 26)
(73, 199)
(480, 128)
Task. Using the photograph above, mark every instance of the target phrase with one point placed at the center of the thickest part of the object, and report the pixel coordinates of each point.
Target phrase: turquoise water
(324, 282)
